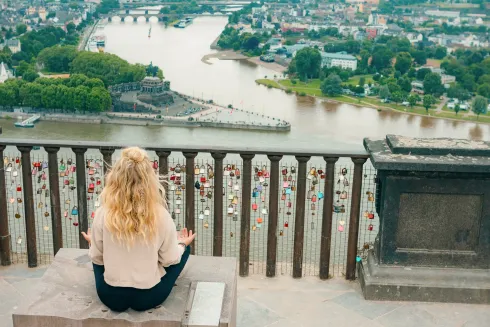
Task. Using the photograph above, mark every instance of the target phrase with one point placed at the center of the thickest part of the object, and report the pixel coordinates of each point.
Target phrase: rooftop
(338, 55)
(287, 302)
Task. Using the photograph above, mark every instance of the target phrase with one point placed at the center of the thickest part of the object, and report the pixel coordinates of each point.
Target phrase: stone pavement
(286, 302)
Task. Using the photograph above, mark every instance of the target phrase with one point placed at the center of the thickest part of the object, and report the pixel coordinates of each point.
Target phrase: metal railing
(285, 212)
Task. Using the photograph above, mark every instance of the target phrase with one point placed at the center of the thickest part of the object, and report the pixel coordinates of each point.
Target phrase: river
(315, 124)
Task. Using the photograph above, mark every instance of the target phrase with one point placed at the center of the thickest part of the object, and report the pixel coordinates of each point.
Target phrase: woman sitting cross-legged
(136, 253)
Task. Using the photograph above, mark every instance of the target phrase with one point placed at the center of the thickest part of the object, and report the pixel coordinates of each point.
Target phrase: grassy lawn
(355, 79)
(312, 84)
(267, 82)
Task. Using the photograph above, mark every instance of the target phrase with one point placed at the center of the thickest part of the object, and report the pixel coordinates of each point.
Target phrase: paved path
(441, 104)
(287, 302)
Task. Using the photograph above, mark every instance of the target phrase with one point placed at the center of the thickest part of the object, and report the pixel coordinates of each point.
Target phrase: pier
(29, 122)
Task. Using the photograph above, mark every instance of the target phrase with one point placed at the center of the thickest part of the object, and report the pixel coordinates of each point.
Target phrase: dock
(29, 122)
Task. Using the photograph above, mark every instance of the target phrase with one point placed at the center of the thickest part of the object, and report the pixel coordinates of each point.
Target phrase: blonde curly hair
(131, 197)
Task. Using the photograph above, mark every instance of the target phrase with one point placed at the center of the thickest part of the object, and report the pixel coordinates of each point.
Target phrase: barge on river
(183, 23)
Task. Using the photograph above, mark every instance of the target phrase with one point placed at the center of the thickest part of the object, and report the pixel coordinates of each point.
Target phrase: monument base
(425, 284)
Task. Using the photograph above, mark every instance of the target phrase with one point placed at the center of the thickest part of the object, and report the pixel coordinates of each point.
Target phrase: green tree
(405, 83)
(384, 92)
(432, 84)
(412, 99)
(397, 97)
(484, 90)
(20, 29)
(308, 62)
(58, 58)
(381, 58)
(420, 57)
(362, 81)
(480, 106)
(71, 28)
(457, 108)
(428, 101)
(269, 18)
(468, 82)
(331, 85)
(440, 52)
(422, 72)
(30, 75)
(403, 62)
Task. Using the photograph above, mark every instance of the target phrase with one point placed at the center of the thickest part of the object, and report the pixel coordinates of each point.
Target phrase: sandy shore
(233, 55)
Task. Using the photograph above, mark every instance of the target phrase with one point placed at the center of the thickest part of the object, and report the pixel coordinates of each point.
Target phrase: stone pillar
(433, 201)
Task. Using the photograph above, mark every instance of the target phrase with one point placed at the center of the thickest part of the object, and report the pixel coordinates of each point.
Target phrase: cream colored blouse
(143, 264)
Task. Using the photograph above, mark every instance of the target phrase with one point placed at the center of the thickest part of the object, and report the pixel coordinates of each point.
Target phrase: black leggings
(122, 298)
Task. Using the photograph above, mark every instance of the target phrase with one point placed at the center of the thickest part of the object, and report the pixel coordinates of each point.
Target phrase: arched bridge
(135, 14)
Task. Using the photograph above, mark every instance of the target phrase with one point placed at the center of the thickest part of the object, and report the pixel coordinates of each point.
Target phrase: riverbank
(234, 55)
(213, 117)
(370, 102)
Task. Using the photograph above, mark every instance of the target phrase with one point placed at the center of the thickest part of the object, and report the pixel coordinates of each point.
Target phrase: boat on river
(183, 23)
(29, 122)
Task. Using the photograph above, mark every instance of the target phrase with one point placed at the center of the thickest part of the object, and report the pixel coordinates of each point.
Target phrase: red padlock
(322, 176)
(98, 182)
(203, 179)
(92, 215)
(19, 188)
(370, 227)
(286, 224)
(66, 182)
(371, 215)
(43, 187)
(17, 160)
(91, 188)
(172, 177)
(254, 206)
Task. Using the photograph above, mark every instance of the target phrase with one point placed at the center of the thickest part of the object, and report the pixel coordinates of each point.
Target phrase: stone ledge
(66, 295)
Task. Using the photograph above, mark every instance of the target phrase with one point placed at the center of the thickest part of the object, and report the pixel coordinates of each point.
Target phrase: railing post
(81, 195)
(273, 215)
(163, 168)
(190, 194)
(106, 158)
(4, 219)
(326, 238)
(355, 209)
(299, 218)
(218, 203)
(245, 218)
(54, 189)
(30, 219)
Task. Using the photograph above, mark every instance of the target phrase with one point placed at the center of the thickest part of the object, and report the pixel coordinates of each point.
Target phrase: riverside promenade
(287, 302)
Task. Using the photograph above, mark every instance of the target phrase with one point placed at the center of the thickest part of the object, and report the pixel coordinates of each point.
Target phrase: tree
(422, 72)
(412, 73)
(70, 28)
(412, 99)
(480, 106)
(331, 85)
(57, 59)
(420, 57)
(403, 62)
(397, 97)
(308, 62)
(440, 52)
(405, 83)
(468, 82)
(428, 101)
(30, 75)
(457, 108)
(362, 81)
(21, 29)
(384, 92)
(269, 18)
(381, 58)
(432, 84)
(484, 90)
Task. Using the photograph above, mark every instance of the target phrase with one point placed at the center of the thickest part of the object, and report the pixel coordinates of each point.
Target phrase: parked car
(405, 103)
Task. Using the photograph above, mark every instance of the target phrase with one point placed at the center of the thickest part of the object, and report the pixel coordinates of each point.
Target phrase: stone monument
(433, 201)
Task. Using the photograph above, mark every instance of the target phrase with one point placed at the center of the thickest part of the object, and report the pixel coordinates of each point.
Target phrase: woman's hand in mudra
(87, 236)
(186, 236)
